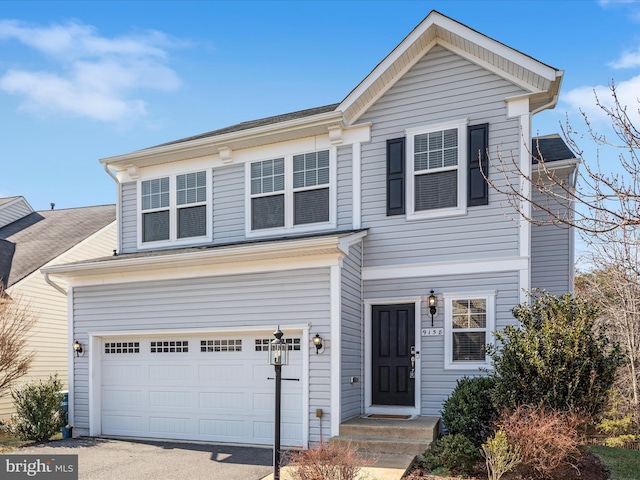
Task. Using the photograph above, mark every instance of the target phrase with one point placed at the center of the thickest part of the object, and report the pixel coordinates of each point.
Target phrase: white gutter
(54, 284)
(118, 197)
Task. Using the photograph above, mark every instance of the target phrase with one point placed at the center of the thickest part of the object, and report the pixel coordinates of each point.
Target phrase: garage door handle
(290, 379)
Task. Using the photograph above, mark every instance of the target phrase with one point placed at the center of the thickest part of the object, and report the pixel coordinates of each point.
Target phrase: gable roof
(34, 240)
(540, 82)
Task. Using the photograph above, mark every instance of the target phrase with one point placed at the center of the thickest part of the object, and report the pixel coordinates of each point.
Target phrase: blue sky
(84, 80)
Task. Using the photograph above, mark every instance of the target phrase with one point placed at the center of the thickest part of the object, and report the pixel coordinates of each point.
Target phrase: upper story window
(290, 192)
(469, 322)
(436, 162)
(174, 208)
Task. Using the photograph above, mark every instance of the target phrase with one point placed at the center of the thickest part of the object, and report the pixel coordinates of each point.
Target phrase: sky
(85, 80)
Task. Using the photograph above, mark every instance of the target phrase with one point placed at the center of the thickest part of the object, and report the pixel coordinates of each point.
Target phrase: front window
(436, 186)
(469, 321)
(174, 208)
(291, 192)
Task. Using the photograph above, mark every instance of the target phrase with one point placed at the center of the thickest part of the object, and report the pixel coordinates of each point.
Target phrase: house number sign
(432, 332)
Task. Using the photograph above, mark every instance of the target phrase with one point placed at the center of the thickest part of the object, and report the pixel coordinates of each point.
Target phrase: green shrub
(455, 452)
(469, 409)
(38, 410)
(500, 456)
(555, 359)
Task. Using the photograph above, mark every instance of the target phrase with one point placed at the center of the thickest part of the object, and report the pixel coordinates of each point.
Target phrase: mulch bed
(589, 468)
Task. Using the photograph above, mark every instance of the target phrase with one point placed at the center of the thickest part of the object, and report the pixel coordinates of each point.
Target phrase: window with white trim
(174, 208)
(436, 164)
(469, 323)
(289, 192)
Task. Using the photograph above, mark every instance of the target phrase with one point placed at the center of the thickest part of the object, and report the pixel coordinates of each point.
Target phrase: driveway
(105, 459)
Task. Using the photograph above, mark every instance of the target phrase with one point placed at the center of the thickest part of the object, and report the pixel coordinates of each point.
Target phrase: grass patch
(9, 442)
(624, 464)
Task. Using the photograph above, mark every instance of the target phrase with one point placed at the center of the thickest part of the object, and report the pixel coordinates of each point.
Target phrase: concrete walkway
(386, 467)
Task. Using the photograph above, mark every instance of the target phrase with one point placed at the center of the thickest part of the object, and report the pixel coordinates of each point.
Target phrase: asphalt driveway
(106, 459)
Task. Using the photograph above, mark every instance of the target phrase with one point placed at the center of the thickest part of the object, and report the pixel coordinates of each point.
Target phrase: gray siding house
(338, 221)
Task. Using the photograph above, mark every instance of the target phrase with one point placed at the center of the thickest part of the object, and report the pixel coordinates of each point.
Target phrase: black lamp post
(278, 356)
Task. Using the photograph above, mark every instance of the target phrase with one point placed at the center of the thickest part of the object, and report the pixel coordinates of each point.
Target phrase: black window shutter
(395, 176)
(478, 190)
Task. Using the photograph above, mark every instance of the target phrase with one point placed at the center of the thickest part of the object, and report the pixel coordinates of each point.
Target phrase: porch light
(432, 305)
(317, 341)
(77, 347)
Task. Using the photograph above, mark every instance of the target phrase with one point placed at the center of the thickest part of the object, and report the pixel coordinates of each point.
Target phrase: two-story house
(338, 221)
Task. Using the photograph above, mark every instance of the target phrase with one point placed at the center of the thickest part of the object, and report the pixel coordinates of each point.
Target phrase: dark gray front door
(392, 337)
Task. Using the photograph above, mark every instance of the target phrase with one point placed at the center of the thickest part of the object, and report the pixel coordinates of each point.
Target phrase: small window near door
(469, 321)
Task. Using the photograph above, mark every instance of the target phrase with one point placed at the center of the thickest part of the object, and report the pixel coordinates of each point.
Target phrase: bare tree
(16, 321)
(613, 284)
(602, 201)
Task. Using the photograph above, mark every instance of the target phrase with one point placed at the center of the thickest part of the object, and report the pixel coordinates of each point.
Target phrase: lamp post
(278, 356)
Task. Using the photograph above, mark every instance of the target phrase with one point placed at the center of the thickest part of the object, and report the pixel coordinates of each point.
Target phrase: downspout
(118, 199)
(54, 284)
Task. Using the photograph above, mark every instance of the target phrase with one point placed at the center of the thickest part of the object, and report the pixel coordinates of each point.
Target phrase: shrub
(500, 456)
(328, 461)
(555, 359)
(38, 410)
(469, 409)
(455, 452)
(546, 438)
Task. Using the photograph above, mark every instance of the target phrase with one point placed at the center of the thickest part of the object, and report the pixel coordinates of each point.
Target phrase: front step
(408, 437)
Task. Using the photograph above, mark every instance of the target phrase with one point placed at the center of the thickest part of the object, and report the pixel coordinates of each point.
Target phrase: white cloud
(584, 98)
(92, 76)
(629, 59)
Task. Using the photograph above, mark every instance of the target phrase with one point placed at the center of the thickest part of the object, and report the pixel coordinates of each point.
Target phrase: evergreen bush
(469, 409)
(39, 414)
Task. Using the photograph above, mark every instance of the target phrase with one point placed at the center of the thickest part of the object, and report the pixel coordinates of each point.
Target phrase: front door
(392, 340)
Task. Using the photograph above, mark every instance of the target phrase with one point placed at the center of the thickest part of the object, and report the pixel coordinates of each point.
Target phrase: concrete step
(377, 445)
(420, 428)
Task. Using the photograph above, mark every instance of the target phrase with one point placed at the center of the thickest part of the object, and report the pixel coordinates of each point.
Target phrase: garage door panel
(120, 398)
(210, 390)
(176, 374)
(124, 374)
(122, 424)
(170, 399)
(222, 400)
(161, 426)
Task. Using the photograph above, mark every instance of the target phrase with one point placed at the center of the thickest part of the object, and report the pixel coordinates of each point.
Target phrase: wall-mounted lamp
(432, 305)
(317, 341)
(77, 347)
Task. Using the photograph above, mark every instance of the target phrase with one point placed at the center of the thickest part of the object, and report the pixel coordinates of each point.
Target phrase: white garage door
(209, 387)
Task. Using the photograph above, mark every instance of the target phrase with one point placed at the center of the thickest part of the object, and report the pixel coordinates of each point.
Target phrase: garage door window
(262, 344)
(169, 346)
(222, 345)
(122, 347)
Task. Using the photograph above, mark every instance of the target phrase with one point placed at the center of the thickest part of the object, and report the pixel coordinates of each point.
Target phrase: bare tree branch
(598, 201)
(16, 321)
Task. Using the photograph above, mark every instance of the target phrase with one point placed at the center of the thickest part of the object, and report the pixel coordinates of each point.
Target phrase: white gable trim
(440, 27)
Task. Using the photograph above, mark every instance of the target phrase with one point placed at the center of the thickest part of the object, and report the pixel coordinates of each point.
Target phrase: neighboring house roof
(34, 240)
(551, 148)
(540, 84)
(7, 200)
